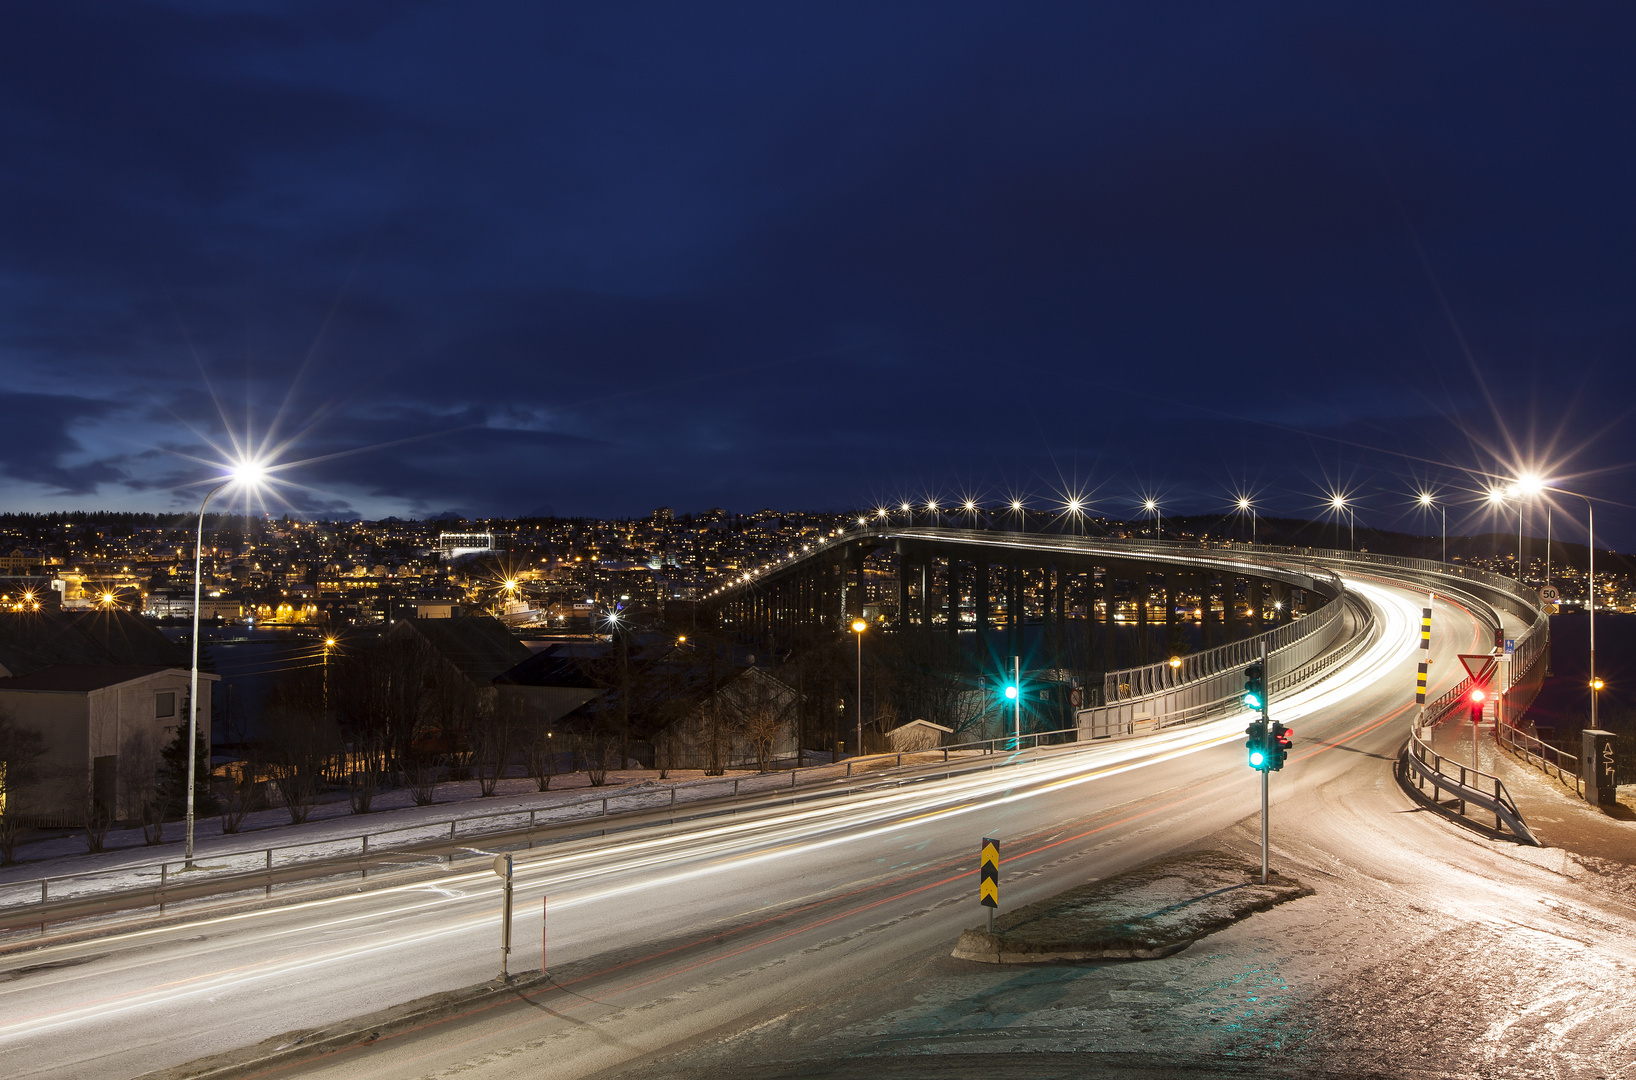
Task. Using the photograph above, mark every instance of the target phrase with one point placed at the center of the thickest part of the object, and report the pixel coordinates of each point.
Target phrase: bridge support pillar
(1144, 585)
(980, 589)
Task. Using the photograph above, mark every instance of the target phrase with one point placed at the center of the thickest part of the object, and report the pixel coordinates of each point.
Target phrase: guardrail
(1540, 754)
(1218, 692)
(1471, 786)
(178, 887)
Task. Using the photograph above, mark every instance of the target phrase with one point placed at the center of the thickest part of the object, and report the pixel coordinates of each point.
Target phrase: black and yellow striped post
(988, 878)
(1425, 647)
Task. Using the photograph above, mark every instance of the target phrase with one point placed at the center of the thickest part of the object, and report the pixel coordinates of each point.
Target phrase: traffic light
(1278, 745)
(1257, 746)
(1255, 687)
(1011, 691)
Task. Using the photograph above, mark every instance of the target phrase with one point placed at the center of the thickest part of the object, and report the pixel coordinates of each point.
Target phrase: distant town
(553, 573)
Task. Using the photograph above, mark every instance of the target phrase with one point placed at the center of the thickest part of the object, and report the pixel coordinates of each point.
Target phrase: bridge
(1304, 603)
(812, 919)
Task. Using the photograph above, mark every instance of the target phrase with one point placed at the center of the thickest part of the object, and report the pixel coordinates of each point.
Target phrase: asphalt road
(816, 937)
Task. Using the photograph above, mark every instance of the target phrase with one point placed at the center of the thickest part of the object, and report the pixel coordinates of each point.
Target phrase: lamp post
(1427, 501)
(1339, 503)
(1246, 506)
(246, 473)
(1152, 507)
(1496, 498)
(1531, 485)
(858, 627)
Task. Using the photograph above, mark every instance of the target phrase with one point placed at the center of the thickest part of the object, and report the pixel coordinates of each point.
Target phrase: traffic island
(1151, 911)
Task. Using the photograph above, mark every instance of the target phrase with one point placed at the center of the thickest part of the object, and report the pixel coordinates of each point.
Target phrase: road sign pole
(988, 877)
(502, 868)
(1265, 773)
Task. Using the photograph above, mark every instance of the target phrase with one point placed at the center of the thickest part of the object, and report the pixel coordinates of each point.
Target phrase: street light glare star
(1425, 498)
(249, 472)
(1529, 484)
(1243, 503)
(1016, 504)
(1496, 495)
(1338, 502)
(1150, 504)
(905, 508)
(1073, 506)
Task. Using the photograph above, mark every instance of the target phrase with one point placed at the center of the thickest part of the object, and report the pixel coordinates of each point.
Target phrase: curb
(296, 1046)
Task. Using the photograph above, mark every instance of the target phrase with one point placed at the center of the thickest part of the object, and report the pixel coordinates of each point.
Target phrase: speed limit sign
(1549, 594)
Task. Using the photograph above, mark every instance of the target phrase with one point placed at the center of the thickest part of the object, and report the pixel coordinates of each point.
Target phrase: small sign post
(502, 868)
(988, 878)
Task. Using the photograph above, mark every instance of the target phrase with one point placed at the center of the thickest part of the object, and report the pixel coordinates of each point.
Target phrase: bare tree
(365, 767)
(761, 709)
(298, 747)
(490, 735)
(540, 756)
(140, 780)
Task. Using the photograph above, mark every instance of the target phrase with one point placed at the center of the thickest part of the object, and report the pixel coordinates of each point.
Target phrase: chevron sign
(988, 874)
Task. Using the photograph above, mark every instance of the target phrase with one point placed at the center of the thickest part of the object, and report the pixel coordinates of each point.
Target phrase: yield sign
(1480, 666)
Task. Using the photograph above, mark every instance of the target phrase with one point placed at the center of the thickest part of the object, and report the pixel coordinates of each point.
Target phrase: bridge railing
(1466, 784)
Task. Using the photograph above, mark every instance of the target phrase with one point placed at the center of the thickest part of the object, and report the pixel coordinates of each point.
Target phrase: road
(820, 933)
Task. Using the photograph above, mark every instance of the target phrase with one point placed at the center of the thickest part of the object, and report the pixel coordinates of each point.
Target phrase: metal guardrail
(1540, 754)
(1472, 786)
(46, 909)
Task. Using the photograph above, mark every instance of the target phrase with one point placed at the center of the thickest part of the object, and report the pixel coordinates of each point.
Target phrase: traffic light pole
(1265, 773)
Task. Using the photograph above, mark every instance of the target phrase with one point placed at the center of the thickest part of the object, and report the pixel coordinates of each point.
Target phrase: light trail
(760, 837)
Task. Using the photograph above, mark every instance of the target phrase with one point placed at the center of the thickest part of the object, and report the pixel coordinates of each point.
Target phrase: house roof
(32, 641)
(83, 678)
(479, 646)
(554, 666)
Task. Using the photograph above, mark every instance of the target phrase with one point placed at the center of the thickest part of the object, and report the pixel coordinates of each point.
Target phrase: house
(104, 727)
(747, 720)
(106, 691)
(917, 735)
(552, 683)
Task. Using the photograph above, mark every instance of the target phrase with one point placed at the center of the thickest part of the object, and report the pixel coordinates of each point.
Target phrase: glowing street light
(1533, 484)
(247, 474)
(1245, 506)
(1427, 500)
(1152, 507)
(1339, 503)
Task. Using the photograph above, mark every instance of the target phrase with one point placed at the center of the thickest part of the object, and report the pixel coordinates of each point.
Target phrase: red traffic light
(1479, 694)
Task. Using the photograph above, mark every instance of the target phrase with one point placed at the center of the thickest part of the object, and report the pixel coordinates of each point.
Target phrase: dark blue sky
(601, 257)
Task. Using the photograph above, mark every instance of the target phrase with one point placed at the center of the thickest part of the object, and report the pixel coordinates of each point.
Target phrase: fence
(1469, 786)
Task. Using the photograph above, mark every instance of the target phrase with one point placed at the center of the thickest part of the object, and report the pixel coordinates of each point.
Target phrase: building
(104, 727)
(106, 691)
(454, 546)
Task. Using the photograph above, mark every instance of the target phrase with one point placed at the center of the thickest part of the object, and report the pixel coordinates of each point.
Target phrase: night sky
(594, 258)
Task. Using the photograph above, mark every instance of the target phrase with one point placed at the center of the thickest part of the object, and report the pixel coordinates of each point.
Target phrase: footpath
(1557, 815)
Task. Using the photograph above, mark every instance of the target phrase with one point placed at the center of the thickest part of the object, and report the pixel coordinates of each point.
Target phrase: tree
(761, 709)
(173, 776)
(141, 780)
(540, 756)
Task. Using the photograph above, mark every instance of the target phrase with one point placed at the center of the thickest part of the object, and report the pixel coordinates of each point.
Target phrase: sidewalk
(1555, 814)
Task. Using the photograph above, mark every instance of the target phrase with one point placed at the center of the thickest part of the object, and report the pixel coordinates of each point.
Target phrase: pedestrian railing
(1467, 785)
(1542, 755)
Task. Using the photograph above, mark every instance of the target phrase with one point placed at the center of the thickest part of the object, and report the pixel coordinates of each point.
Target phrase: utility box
(1599, 765)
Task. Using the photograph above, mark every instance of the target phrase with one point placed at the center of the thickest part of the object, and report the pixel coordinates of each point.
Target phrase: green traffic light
(1011, 693)
(1252, 701)
(1256, 758)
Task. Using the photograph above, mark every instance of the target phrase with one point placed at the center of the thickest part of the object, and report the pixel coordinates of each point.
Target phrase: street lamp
(1529, 484)
(1339, 503)
(1152, 507)
(1246, 506)
(858, 627)
(246, 474)
(1427, 501)
(1496, 498)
